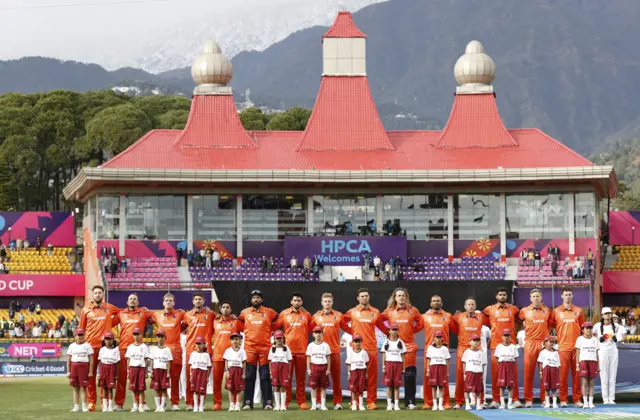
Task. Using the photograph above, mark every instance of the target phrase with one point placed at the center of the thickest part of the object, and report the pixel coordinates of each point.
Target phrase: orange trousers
(532, 350)
(568, 365)
(298, 364)
(495, 389)
(460, 378)
(335, 379)
(218, 374)
(372, 377)
(92, 396)
(428, 395)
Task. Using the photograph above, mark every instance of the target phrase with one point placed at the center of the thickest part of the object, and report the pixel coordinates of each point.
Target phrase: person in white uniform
(485, 337)
(608, 333)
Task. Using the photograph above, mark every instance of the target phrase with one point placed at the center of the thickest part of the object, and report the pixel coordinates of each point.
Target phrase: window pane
(331, 211)
(109, 217)
(537, 216)
(476, 216)
(430, 217)
(214, 217)
(271, 217)
(584, 214)
(172, 221)
(142, 216)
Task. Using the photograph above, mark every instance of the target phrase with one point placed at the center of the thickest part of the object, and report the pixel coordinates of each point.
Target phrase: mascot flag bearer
(608, 333)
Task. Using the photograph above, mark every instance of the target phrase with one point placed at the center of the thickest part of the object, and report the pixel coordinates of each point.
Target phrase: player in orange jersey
(127, 319)
(224, 324)
(170, 320)
(258, 321)
(399, 311)
(295, 321)
(567, 319)
(435, 319)
(332, 321)
(198, 323)
(465, 325)
(364, 319)
(501, 316)
(96, 319)
(536, 318)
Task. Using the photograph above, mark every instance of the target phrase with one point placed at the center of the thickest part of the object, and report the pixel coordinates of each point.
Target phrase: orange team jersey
(409, 320)
(536, 322)
(465, 326)
(171, 323)
(128, 320)
(364, 323)
(257, 328)
(198, 324)
(501, 317)
(331, 323)
(433, 321)
(567, 323)
(222, 330)
(97, 320)
(296, 328)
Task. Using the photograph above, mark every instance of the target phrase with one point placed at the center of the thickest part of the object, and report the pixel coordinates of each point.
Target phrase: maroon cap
(107, 335)
(161, 332)
(278, 334)
(550, 338)
(235, 334)
(318, 329)
(79, 331)
(438, 334)
(357, 338)
(474, 337)
(587, 325)
(199, 340)
(506, 331)
(137, 330)
(393, 326)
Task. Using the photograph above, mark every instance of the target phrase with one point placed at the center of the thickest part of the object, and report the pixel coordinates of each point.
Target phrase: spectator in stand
(179, 253)
(377, 262)
(38, 244)
(531, 257)
(113, 268)
(190, 258)
(38, 308)
(19, 243)
(341, 278)
(2, 268)
(554, 267)
(31, 307)
(12, 313)
(19, 330)
(199, 261)
(112, 251)
(25, 244)
(523, 255)
(3, 253)
(103, 252)
(316, 268)
(123, 265)
(36, 331)
(631, 326)
(293, 262)
(12, 245)
(208, 259)
(61, 319)
(20, 317)
(536, 256)
(50, 249)
(18, 306)
(1, 333)
(265, 264)
(307, 265)
(272, 265)
(215, 257)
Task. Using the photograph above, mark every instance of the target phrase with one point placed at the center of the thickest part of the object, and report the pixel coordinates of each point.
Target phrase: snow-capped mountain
(236, 31)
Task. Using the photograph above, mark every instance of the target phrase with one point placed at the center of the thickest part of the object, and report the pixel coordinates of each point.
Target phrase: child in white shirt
(357, 361)
(235, 359)
(79, 370)
(279, 358)
(549, 365)
(160, 382)
(107, 374)
(506, 353)
(137, 356)
(318, 367)
(437, 368)
(200, 363)
(393, 351)
(473, 362)
(587, 347)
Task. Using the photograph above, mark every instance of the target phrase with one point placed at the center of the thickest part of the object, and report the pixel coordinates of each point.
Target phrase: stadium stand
(251, 269)
(440, 268)
(31, 261)
(529, 275)
(628, 258)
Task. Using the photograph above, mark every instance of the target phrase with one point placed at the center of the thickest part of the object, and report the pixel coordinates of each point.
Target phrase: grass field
(51, 398)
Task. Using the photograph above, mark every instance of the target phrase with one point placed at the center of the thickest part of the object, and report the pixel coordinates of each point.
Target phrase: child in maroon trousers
(437, 367)
(161, 356)
(107, 373)
(137, 356)
(393, 351)
(200, 363)
(473, 362)
(318, 368)
(506, 353)
(549, 365)
(79, 368)
(357, 360)
(235, 362)
(279, 358)
(588, 361)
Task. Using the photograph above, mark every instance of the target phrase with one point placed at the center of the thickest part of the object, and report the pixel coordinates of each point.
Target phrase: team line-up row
(580, 352)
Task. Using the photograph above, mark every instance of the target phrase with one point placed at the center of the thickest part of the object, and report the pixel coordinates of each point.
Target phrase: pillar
(239, 228)
(379, 212)
(450, 226)
(310, 212)
(503, 228)
(123, 225)
(572, 226)
(190, 217)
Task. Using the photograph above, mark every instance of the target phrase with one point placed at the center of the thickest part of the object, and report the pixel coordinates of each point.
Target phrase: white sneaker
(468, 407)
(363, 408)
(118, 409)
(502, 407)
(546, 405)
(85, 409)
(337, 407)
(175, 408)
(141, 409)
(457, 407)
(412, 407)
(313, 408)
(441, 407)
(232, 407)
(323, 408)
(145, 407)
(555, 406)
(389, 407)
(591, 405)
(75, 410)
(435, 407)
(246, 407)
(510, 406)
(480, 407)
(396, 408)
(563, 404)
(189, 408)
(354, 407)
(134, 409)
(611, 402)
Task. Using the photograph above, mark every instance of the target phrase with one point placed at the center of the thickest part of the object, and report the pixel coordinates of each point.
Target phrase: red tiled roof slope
(475, 123)
(344, 118)
(214, 123)
(344, 27)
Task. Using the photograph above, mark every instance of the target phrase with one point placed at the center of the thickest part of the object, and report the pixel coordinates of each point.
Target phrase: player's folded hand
(309, 372)
(90, 375)
(68, 374)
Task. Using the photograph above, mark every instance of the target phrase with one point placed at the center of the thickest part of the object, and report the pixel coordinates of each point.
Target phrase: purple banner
(344, 250)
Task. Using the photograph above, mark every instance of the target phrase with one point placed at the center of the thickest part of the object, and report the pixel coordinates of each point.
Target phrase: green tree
(294, 119)
(254, 119)
(175, 119)
(158, 105)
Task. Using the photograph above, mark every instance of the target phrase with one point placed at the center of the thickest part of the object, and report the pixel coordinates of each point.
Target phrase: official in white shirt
(608, 334)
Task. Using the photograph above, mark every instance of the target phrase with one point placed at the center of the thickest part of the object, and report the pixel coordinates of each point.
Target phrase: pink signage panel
(42, 285)
(35, 349)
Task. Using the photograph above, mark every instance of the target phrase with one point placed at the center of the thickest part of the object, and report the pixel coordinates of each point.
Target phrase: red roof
(214, 122)
(475, 123)
(344, 27)
(344, 118)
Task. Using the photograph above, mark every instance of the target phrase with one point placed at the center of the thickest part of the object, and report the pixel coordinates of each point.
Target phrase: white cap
(606, 310)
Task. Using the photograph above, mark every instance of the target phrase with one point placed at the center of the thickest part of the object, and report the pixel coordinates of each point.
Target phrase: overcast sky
(89, 30)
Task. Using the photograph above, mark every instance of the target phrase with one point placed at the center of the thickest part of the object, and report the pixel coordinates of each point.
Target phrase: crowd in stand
(533, 258)
(16, 326)
(111, 263)
(207, 257)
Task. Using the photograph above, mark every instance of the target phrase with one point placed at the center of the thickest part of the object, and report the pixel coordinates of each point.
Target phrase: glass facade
(336, 212)
(272, 217)
(421, 216)
(585, 213)
(537, 216)
(476, 216)
(156, 217)
(108, 217)
(214, 217)
(94, 215)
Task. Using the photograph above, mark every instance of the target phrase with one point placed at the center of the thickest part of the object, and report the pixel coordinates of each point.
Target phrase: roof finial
(212, 71)
(474, 71)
